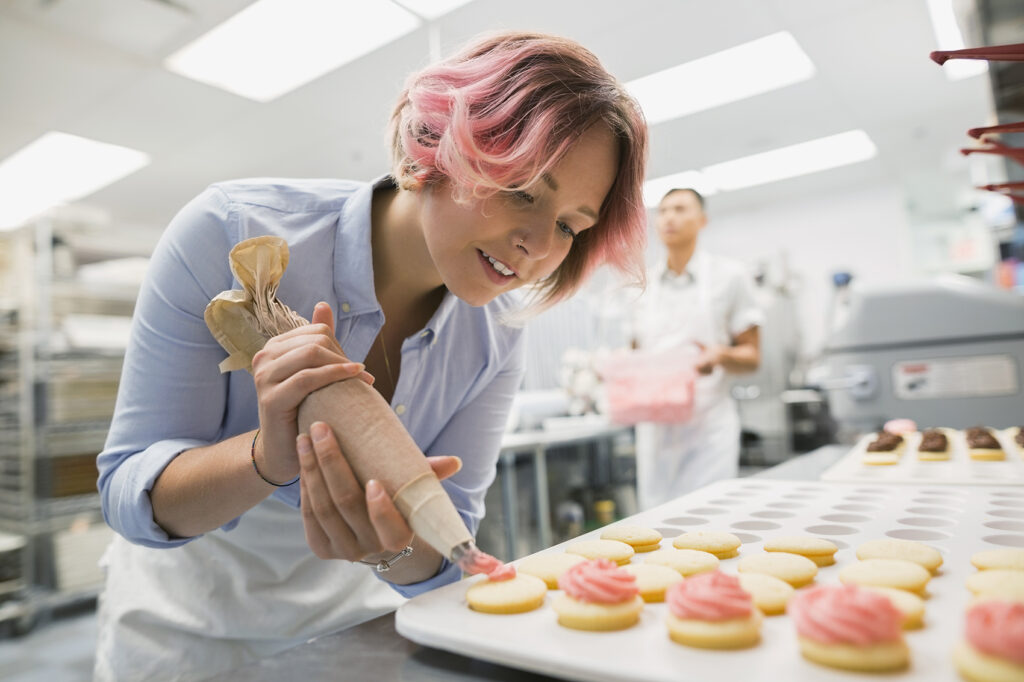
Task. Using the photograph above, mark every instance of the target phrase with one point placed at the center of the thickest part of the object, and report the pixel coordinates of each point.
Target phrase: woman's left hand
(341, 519)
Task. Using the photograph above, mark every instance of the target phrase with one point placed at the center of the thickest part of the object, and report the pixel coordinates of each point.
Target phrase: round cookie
(653, 580)
(794, 569)
(908, 550)
(998, 582)
(898, 573)
(1006, 559)
(712, 611)
(641, 539)
(976, 666)
(598, 595)
(820, 551)
(770, 594)
(685, 561)
(619, 552)
(880, 459)
(720, 543)
(548, 567)
(581, 615)
(517, 595)
(907, 603)
(877, 658)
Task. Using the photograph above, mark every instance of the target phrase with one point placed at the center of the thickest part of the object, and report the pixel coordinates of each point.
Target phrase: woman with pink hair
(517, 163)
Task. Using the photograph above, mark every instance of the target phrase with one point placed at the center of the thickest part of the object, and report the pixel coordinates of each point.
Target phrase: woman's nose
(534, 240)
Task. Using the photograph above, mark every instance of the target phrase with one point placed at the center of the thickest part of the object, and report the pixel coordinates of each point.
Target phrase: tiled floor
(61, 650)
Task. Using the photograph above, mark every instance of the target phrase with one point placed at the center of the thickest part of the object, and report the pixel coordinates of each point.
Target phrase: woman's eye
(566, 231)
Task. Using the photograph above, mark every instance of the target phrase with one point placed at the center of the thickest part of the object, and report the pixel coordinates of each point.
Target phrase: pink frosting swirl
(845, 614)
(709, 596)
(997, 628)
(480, 562)
(900, 427)
(599, 581)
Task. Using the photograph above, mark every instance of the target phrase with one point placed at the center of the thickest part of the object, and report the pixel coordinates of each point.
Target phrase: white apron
(674, 459)
(226, 599)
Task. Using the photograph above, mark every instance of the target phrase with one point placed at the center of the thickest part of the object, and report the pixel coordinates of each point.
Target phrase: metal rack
(55, 409)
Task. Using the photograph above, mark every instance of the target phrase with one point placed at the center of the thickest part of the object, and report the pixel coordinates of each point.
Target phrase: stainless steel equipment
(947, 352)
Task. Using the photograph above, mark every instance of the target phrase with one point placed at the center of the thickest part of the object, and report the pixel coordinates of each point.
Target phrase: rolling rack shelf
(56, 401)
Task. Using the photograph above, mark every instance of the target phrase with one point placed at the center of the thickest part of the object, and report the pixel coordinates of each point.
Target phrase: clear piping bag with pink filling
(374, 442)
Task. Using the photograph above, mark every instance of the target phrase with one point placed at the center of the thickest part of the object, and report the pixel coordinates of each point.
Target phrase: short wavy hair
(508, 107)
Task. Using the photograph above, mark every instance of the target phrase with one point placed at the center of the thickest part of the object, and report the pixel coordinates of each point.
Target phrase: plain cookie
(1006, 559)
(653, 580)
(686, 561)
(907, 603)
(720, 543)
(898, 573)
(518, 595)
(548, 567)
(998, 582)
(820, 551)
(641, 539)
(794, 569)
(619, 552)
(908, 550)
(770, 594)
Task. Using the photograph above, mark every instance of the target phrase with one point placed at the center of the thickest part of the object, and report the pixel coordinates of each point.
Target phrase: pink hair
(509, 107)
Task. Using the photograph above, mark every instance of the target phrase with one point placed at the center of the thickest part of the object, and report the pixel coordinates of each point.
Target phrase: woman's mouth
(497, 271)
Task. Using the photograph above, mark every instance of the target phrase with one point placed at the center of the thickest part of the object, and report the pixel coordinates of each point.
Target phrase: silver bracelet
(385, 565)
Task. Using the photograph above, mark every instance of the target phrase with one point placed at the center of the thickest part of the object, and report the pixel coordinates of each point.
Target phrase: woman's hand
(291, 366)
(342, 520)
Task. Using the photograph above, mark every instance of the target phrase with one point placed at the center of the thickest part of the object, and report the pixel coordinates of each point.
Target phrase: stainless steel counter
(374, 651)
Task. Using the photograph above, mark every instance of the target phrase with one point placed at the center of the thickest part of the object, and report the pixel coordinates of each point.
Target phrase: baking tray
(958, 521)
(959, 469)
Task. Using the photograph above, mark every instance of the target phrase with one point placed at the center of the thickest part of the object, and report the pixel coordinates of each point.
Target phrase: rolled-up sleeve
(171, 397)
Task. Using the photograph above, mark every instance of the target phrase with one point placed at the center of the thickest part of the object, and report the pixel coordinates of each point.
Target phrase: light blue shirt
(458, 376)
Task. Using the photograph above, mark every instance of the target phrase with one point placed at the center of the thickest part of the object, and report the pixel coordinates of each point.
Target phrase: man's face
(680, 217)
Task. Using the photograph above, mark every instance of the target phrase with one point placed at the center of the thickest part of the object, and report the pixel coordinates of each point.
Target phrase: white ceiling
(93, 68)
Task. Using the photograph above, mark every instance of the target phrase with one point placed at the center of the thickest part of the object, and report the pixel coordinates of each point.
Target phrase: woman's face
(488, 247)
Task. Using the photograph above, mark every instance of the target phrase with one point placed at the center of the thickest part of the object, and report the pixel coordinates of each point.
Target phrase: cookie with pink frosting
(849, 627)
(598, 595)
(712, 611)
(993, 646)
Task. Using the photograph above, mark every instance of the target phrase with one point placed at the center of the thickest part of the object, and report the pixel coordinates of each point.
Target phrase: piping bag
(374, 442)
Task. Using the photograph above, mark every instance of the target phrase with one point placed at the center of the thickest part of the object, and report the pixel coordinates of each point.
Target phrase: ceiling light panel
(274, 46)
(432, 9)
(656, 188)
(746, 70)
(789, 162)
(58, 168)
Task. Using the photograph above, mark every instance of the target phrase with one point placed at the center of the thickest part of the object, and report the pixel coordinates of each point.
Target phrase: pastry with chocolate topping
(886, 448)
(886, 442)
(1017, 434)
(934, 445)
(983, 445)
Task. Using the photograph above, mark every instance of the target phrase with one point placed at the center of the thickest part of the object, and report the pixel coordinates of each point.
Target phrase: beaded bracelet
(252, 454)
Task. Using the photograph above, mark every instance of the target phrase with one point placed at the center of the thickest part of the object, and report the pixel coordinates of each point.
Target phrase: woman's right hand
(288, 368)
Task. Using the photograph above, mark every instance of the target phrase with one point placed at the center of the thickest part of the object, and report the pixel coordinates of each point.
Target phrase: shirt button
(399, 410)
(345, 307)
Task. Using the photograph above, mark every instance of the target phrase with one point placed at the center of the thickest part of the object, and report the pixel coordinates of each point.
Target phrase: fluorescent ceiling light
(432, 9)
(948, 37)
(274, 46)
(760, 66)
(789, 162)
(58, 168)
(656, 188)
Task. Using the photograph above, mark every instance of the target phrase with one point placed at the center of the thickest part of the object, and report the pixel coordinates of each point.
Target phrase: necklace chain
(387, 363)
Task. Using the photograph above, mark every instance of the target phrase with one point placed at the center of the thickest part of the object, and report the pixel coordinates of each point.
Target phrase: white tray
(959, 469)
(959, 521)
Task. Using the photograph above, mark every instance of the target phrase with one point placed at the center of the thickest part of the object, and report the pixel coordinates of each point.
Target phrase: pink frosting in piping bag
(997, 628)
(475, 562)
(709, 596)
(845, 614)
(599, 581)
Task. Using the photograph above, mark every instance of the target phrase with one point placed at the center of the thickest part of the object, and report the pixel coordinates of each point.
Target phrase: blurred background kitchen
(826, 142)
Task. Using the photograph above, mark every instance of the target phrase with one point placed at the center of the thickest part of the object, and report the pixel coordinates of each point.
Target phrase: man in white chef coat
(703, 303)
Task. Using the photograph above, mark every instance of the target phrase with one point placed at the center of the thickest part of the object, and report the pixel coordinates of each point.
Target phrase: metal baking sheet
(959, 469)
(957, 520)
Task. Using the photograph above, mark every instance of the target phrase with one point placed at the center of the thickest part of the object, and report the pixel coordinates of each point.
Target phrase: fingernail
(302, 444)
(373, 489)
(318, 430)
(355, 367)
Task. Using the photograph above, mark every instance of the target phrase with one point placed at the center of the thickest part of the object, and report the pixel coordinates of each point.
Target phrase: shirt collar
(353, 252)
(689, 273)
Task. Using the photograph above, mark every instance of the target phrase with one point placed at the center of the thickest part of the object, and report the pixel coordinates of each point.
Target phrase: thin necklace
(387, 363)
